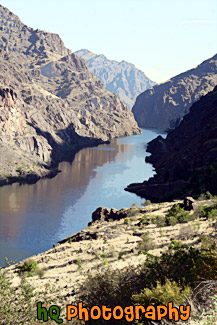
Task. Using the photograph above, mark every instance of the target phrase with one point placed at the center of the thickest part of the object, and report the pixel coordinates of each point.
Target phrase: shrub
(207, 243)
(28, 268)
(121, 253)
(159, 221)
(78, 262)
(110, 288)
(163, 294)
(209, 212)
(208, 195)
(127, 221)
(183, 264)
(18, 305)
(146, 244)
(144, 220)
(170, 274)
(177, 215)
(147, 202)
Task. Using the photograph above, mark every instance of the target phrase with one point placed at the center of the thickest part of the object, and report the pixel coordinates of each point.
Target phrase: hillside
(50, 104)
(123, 78)
(164, 105)
(186, 161)
(119, 254)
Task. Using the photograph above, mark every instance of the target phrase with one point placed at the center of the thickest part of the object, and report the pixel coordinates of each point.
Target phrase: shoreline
(112, 242)
(51, 170)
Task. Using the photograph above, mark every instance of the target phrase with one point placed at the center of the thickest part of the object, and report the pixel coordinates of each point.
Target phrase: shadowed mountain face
(123, 78)
(164, 105)
(186, 161)
(50, 104)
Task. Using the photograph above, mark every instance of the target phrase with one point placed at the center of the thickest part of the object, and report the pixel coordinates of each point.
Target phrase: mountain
(164, 105)
(123, 78)
(50, 104)
(186, 161)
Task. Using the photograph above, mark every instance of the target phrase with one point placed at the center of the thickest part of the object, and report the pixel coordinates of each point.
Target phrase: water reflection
(33, 217)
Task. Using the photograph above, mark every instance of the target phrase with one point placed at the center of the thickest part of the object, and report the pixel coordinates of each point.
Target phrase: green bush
(18, 305)
(127, 221)
(177, 215)
(144, 220)
(28, 268)
(163, 294)
(207, 243)
(208, 195)
(209, 212)
(181, 263)
(122, 253)
(160, 221)
(147, 202)
(146, 243)
(171, 274)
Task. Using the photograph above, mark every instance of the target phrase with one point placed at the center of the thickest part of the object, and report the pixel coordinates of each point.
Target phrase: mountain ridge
(164, 105)
(186, 161)
(122, 77)
(63, 107)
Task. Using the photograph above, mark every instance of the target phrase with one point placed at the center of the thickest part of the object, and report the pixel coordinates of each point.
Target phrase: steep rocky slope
(164, 105)
(50, 104)
(123, 78)
(186, 161)
(112, 244)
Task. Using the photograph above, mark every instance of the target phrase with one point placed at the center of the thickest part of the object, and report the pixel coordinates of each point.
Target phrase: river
(34, 217)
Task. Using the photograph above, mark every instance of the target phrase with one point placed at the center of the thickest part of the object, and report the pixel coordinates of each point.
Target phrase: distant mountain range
(164, 105)
(123, 78)
(186, 161)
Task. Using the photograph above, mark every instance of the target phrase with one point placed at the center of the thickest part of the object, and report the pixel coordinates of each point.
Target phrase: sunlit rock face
(164, 105)
(50, 104)
(123, 77)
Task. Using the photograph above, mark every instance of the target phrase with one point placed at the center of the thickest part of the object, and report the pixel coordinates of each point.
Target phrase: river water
(34, 217)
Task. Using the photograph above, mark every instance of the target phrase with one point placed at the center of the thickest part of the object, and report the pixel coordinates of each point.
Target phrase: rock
(80, 236)
(101, 214)
(50, 103)
(188, 203)
(164, 105)
(186, 161)
(106, 214)
(123, 78)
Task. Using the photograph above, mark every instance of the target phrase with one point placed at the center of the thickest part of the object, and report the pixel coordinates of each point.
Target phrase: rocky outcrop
(123, 78)
(50, 104)
(186, 161)
(164, 105)
(106, 214)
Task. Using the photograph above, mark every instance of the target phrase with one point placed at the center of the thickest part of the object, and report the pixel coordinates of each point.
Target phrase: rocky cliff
(164, 105)
(186, 161)
(50, 104)
(123, 78)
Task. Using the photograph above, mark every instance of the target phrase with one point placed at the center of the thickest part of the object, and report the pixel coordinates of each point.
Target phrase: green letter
(41, 310)
(54, 312)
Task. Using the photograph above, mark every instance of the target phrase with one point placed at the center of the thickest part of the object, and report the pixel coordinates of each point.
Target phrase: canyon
(50, 103)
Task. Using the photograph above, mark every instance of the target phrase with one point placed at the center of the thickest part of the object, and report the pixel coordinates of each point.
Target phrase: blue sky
(161, 37)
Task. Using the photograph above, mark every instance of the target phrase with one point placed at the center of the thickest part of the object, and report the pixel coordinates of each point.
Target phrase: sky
(161, 37)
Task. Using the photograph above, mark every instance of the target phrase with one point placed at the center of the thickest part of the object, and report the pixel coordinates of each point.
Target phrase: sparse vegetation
(78, 262)
(177, 215)
(146, 243)
(173, 275)
(162, 294)
(209, 212)
(29, 268)
(18, 305)
(127, 221)
(121, 254)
